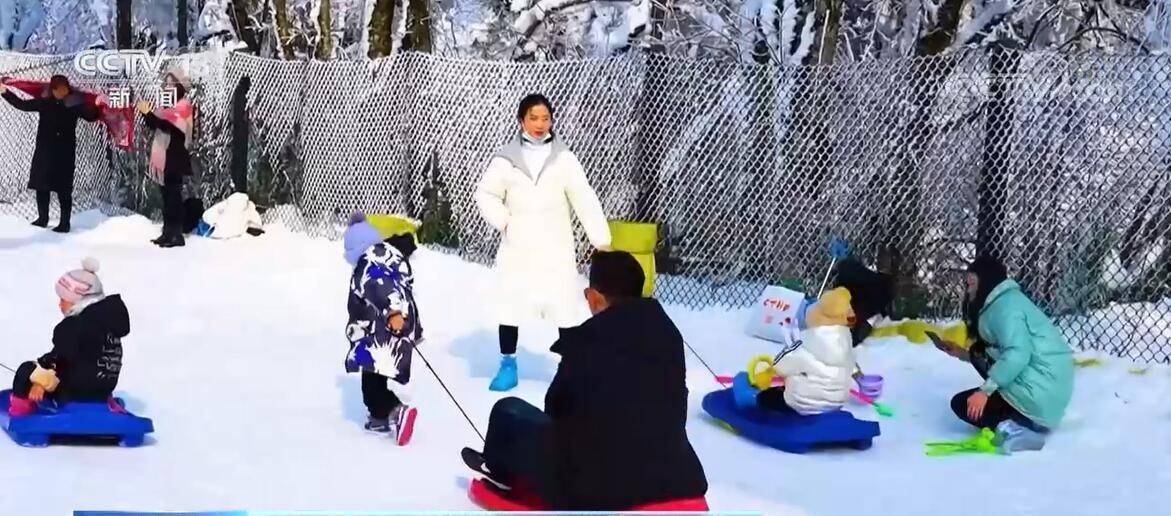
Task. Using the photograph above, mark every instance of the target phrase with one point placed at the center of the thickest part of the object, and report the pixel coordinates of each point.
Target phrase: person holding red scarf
(55, 158)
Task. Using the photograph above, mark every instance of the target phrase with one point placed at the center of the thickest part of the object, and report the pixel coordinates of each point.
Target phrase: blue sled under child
(69, 389)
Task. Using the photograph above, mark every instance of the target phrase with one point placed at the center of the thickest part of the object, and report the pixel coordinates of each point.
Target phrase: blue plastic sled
(789, 431)
(76, 419)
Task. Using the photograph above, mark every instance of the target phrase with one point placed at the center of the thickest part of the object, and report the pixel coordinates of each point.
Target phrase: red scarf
(119, 122)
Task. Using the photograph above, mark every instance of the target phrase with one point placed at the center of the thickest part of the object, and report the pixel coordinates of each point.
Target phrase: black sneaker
(475, 461)
(62, 228)
(41, 223)
(381, 426)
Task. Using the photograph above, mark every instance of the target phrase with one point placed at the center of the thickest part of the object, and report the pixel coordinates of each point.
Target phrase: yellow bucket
(639, 239)
(634, 237)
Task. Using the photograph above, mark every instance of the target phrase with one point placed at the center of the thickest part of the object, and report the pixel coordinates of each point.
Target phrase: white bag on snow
(777, 314)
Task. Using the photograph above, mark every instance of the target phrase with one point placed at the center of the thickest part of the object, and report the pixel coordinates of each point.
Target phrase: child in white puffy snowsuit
(384, 324)
(819, 374)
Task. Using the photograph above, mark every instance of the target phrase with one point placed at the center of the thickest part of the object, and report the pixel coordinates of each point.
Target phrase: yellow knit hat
(833, 309)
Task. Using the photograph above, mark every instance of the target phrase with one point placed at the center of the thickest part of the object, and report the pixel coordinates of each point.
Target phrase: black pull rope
(450, 395)
(715, 376)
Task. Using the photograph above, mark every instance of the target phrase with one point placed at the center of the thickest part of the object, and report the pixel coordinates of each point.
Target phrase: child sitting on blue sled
(818, 372)
(384, 325)
(86, 358)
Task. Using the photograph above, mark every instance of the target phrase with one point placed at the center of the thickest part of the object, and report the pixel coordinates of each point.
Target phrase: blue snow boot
(506, 377)
(1013, 437)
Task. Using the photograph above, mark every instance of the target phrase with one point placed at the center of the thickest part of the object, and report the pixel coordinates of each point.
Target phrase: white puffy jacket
(537, 263)
(819, 374)
(233, 216)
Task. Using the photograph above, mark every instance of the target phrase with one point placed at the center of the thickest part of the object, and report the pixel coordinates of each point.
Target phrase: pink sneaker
(403, 423)
(20, 406)
(115, 407)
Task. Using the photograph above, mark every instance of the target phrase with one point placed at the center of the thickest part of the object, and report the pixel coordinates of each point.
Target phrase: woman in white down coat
(527, 193)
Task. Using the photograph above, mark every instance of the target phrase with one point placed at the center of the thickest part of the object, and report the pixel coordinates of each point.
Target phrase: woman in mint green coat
(1026, 364)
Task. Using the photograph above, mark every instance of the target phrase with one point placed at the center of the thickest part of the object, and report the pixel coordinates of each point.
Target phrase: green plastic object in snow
(979, 443)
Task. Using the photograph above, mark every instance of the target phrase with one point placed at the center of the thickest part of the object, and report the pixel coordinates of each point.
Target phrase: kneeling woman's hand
(976, 403)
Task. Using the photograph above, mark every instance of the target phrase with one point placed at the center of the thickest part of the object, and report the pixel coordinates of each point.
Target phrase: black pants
(65, 199)
(509, 335)
(518, 448)
(23, 382)
(997, 410)
(66, 391)
(379, 399)
(172, 206)
(773, 398)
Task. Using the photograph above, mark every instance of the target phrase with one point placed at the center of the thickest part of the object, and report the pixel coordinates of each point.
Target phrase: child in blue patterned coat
(384, 324)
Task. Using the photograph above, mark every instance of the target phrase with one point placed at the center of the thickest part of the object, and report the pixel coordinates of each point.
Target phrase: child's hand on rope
(396, 322)
(36, 393)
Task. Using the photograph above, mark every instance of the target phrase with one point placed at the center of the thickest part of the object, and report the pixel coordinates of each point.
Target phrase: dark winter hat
(359, 237)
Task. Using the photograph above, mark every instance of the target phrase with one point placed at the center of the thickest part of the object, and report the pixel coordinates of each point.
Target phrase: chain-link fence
(1057, 162)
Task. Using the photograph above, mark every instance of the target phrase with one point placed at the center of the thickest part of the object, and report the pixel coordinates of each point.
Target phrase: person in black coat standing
(612, 435)
(55, 157)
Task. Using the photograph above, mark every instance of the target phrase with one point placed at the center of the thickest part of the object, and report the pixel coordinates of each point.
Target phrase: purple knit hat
(359, 237)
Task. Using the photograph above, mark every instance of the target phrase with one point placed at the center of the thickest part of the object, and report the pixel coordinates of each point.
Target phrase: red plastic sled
(492, 498)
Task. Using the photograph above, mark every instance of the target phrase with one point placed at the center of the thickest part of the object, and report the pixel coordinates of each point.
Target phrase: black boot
(42, 209)
(164, 236)
(175, 239)
(66, 201)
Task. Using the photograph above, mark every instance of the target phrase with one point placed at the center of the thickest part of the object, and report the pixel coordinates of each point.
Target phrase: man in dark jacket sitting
(612, 435)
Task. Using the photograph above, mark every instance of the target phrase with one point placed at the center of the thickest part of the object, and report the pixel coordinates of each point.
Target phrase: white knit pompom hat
(78, 284)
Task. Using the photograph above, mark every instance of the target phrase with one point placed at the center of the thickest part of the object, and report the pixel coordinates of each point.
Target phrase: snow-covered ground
(236, 352)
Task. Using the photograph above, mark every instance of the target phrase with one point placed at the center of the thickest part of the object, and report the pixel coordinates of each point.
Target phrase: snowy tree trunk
(243, 24)
(381, 27)
(124, 35)
(364, 38)
(283, 32)
(941, 35)
(325, 31)
(31, 16)
(7, 23)
(830, 14)
(901, 230)
(181, 19)
(240, 126)
(418, 37)
(991, 191)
